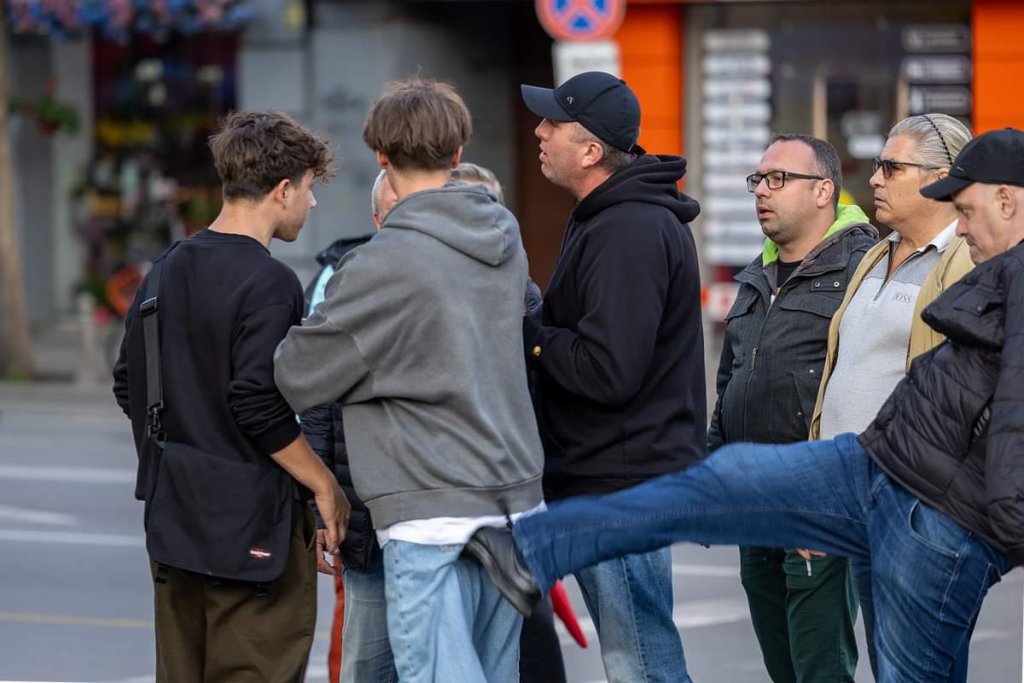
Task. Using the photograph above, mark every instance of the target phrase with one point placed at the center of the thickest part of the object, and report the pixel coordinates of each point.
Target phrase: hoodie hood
(650, 179)
(467, 218)
(846, 215)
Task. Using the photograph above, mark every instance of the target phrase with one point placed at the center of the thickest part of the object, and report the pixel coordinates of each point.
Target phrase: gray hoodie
(420, 336)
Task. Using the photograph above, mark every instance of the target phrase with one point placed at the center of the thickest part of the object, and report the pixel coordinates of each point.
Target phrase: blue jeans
(630, 600)
(365, 649)
(446, 620)
(929, 575)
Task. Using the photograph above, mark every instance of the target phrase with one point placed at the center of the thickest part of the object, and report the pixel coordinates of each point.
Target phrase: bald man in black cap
(618, 349)
(931, 494)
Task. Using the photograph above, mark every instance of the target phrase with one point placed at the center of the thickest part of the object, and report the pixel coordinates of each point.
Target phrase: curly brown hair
(255, 150)
(418, 123)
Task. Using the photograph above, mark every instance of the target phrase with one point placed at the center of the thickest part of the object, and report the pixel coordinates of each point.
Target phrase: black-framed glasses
(776, 180)
(890, 165)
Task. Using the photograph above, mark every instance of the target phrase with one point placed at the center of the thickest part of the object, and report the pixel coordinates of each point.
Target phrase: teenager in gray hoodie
(420, 336)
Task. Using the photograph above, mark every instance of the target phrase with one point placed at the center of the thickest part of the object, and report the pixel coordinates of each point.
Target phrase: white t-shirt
(444, 530)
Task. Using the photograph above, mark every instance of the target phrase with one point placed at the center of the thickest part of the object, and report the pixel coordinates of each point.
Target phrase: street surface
(76, 598)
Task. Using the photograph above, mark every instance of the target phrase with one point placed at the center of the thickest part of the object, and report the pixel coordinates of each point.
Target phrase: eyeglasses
(889, 165)
(776, 180)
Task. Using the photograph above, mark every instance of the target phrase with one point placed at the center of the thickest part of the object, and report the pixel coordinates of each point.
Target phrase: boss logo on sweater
(259, 554)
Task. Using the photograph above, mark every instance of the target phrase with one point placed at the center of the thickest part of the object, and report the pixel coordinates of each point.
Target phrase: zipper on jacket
(789, 284)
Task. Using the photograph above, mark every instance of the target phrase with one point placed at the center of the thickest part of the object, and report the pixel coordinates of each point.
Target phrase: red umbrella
(563, 608)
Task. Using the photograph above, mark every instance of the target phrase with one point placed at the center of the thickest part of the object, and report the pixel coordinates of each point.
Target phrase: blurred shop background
(110, 102)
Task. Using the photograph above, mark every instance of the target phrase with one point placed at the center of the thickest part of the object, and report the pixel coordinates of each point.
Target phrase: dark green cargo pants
(804, 624)
(223, 632)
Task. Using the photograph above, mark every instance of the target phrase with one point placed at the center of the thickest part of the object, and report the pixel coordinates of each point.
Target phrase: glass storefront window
(843, 71)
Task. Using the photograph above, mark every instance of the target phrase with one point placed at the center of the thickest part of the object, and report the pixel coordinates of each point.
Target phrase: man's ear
(282, 190)
(593, 154)
(1006, 202)
(382, 158)
(824, 197)
(457, 157)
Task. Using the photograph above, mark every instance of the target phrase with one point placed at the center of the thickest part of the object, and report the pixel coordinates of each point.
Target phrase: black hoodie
(618, 345)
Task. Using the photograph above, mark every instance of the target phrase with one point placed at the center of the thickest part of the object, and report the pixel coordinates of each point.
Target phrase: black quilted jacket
(323, 429)
(952, 432)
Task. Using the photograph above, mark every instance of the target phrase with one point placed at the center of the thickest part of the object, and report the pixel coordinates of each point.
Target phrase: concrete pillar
(72, 68)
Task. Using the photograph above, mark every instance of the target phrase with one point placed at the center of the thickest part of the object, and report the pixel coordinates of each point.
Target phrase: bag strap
(149, 309)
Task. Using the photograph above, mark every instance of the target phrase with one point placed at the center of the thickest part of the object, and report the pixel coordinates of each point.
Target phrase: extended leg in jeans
(809, 494)
(929, 574)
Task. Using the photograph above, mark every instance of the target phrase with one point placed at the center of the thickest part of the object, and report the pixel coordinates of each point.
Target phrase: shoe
(496, 551)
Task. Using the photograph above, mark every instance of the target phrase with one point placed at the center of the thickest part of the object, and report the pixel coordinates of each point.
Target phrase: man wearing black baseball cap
(617, 348)
(982, 182)
(931, 494)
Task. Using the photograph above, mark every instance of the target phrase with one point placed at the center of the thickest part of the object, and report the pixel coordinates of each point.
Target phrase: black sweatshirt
(224, 305)
(618, 349)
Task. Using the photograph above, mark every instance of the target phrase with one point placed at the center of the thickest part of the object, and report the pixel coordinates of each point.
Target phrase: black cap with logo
(996, 158)
(600, 102)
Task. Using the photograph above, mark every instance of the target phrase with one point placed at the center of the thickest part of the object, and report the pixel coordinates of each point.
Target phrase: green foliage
(50, 114)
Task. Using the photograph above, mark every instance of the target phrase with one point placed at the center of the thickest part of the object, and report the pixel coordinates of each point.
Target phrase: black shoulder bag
(215, 515)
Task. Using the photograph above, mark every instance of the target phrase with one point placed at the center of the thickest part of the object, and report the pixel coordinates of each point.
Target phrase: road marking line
(69, 620)
(705, 570)
(58, 537)
(78, 475)
(36, 516)
(697, 614)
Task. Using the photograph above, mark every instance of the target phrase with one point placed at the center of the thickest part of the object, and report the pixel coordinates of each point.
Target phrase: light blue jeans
(446, 620)
(365, 648)
(630, 600)
(928, 574)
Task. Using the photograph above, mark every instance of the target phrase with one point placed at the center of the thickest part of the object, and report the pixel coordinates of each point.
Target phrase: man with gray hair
(617, 349)
(359, 651)
(896, 280)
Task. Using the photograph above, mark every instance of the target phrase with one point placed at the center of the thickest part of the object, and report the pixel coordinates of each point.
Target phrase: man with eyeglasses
(896, 279)
(802, 603)
(931, 493)
(878, 329)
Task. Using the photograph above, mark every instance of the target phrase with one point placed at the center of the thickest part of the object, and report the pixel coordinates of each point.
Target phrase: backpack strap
(149, 309)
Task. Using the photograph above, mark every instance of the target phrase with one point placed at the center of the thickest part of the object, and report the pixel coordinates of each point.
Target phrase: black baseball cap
(600, 102)
(996, 157)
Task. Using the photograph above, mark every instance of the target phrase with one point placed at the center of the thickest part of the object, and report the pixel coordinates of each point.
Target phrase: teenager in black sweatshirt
(223, 304)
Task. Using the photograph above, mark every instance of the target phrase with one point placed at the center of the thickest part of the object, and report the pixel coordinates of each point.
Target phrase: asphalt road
(76, 599)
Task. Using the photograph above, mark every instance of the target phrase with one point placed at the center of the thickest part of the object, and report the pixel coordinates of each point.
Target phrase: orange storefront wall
(651, 43)
(998, 64)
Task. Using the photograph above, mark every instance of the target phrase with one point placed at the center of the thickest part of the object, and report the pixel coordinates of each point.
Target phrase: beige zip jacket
(954, 264)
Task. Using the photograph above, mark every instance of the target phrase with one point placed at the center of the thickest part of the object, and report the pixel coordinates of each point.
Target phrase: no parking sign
(573, 20)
